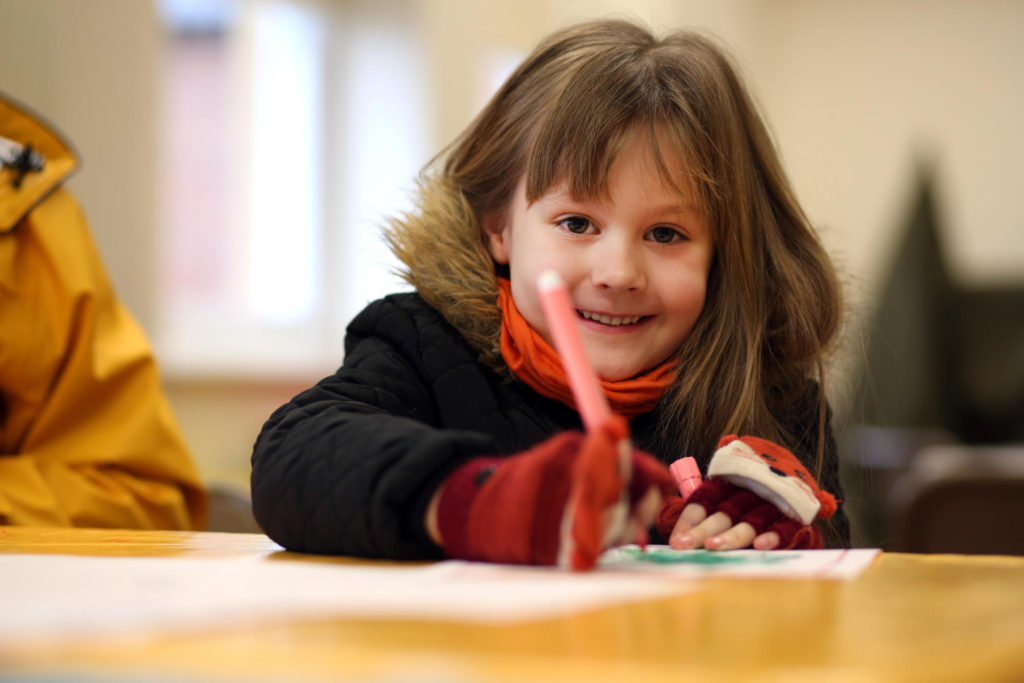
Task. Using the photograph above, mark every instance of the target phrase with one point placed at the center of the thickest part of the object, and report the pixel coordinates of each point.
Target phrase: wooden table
(907, 618)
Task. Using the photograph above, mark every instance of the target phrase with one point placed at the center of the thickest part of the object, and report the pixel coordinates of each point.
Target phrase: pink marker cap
(687, 475)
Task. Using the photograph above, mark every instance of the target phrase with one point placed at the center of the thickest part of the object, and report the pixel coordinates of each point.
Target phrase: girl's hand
(561, 502)
(722, 516)
(757, 494)
(696, 529)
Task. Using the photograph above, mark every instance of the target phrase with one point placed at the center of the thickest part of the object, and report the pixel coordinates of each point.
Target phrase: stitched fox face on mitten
(773, 473)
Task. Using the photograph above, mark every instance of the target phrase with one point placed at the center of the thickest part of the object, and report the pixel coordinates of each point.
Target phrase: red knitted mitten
(561, 502)
(756, 481)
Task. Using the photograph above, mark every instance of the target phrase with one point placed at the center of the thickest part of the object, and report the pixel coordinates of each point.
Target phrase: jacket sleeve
(348, 466)
(87, 437)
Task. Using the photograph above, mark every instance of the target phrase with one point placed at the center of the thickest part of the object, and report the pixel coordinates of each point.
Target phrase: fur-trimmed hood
(445, 258)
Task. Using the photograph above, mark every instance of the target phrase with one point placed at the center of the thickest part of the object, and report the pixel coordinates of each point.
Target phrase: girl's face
(635, 262)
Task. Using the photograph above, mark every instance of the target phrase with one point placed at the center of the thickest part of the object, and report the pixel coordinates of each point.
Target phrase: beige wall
(89, 68)
(855, 91)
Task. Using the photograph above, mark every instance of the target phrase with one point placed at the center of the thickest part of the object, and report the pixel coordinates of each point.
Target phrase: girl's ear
(496, 229)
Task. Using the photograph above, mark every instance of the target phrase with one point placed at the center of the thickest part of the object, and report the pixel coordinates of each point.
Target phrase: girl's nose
(617, 267)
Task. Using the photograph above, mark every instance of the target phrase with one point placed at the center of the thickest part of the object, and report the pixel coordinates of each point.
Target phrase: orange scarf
(533, 361)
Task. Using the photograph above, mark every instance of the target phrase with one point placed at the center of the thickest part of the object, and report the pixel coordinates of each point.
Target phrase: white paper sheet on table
(54, 596)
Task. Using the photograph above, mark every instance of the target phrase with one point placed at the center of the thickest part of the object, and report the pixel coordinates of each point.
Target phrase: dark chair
(961, 499)
(230, 509)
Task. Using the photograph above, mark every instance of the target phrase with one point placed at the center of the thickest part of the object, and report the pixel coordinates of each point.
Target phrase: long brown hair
(773, 303)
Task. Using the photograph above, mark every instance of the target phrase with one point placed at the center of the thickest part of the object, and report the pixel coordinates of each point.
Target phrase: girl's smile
(611, 319)
(635, 260)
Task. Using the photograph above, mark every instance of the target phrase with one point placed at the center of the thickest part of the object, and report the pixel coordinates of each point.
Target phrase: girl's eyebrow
(682, 208)
(675, 209)
(556, 193)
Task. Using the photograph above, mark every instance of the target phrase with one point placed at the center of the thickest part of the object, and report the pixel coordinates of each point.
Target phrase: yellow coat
(87, 437)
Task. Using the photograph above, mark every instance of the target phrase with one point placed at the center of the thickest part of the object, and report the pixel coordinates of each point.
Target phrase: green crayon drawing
(703, 557)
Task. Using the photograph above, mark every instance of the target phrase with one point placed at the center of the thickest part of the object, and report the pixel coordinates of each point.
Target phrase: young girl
(640, 171)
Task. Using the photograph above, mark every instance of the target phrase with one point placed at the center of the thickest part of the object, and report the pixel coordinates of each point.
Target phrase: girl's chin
(615, 374)
(617, 370)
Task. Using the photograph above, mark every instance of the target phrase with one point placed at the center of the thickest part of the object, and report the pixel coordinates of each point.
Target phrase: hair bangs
(580, 139)
(681, 165)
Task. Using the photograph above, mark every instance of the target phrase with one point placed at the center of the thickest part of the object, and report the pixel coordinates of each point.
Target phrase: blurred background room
(239, 156)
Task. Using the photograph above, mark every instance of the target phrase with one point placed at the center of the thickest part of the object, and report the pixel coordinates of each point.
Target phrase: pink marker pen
(586, 388)
(561, 317)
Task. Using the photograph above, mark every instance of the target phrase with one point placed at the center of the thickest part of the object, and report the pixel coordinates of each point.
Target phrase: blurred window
(290, 130)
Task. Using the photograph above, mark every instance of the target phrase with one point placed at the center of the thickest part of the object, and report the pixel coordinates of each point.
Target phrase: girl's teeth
(611, 320)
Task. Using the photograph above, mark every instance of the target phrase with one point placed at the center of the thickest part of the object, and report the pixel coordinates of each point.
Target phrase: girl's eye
(575, 224)
(665, 235)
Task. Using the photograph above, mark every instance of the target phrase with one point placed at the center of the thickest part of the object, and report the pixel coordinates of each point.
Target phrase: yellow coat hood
(87, 437)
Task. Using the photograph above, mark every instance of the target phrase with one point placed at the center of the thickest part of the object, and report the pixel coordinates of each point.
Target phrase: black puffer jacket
(349, 466)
